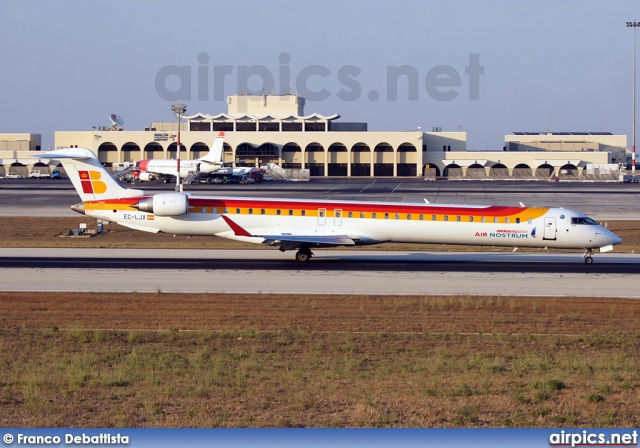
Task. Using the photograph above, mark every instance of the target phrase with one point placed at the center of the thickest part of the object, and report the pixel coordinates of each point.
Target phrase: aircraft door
(322, 216)
(337, 217)
(549, 229)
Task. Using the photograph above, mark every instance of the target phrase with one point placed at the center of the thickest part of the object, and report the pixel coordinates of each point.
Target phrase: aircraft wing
(288, 241)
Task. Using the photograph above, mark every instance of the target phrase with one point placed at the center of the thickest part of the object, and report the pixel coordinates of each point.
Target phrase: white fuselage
(371, 223)
(167, 168)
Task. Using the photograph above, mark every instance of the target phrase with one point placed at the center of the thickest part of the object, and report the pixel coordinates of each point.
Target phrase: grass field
(213, 360)
(154, 360)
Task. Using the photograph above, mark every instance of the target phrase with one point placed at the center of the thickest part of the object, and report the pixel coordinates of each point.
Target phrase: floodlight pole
(178, 110)
(633, 25)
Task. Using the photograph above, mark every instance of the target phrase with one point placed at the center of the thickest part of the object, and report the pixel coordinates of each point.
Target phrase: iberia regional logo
(91, 182)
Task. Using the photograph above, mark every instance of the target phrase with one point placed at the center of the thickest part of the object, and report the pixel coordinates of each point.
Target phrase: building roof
(245, 117)
(562, 133)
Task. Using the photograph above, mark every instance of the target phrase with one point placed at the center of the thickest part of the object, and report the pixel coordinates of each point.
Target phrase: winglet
(239, 231)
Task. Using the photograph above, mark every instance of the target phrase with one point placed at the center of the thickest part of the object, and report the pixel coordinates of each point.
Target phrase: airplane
(151, 169)
(303, 224)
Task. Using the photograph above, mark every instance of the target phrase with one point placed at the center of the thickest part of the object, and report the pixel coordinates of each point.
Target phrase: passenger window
(433, 217)
(338, 214)
(321, 213)
(397, 215)
(350, 214)
(304, 213)
(386, 216)
(226, 210)
(517, 220)
(458, 218)
(470, 218)
(374, 215)
(237, 211)
(262, 212)
(409, 217)
(507, 220)
(484, 219)
(362, 214)
(290, 212)
(278, 212)
(251, 211)
(495, 219)
(421, 217)
(446, 217)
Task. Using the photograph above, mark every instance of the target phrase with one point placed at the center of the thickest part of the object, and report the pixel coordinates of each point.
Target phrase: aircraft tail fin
(90, 179)
(215, 154)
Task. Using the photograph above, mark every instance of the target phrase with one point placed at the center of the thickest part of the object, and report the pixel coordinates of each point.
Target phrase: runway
(333, 272)
(330, 272)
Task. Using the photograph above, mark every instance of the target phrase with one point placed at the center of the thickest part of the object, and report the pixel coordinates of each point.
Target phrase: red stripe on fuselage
(492, 210)
(232, 203)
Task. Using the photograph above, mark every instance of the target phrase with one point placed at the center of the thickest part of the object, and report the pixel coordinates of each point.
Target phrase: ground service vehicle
(37, 174)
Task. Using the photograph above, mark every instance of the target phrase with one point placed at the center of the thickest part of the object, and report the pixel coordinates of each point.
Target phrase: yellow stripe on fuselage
(349, 211)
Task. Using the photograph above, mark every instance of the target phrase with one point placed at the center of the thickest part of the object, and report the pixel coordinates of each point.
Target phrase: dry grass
(194, 360)
(151, 360)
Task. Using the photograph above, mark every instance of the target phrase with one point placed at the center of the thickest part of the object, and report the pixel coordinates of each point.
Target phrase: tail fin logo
(91, 182)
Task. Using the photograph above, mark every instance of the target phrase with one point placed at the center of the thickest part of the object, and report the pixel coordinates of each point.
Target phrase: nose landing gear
(588, 256)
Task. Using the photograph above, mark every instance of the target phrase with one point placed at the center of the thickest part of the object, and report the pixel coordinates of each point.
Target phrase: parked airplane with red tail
(150, 169)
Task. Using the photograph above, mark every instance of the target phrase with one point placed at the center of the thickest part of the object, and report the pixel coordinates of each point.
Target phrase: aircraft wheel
(588, 260)
(303, 255)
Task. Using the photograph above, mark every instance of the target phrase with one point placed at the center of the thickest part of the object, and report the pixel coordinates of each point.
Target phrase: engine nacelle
(165, 204)
(145, 176)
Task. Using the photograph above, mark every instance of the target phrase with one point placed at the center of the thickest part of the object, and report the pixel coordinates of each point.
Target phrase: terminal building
(263, 129)
(273, 129)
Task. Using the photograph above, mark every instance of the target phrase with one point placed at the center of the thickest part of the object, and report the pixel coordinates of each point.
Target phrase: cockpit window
(584, 221)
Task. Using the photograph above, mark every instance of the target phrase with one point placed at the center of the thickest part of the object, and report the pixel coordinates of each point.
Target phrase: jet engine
(165, 204)
(145, 176)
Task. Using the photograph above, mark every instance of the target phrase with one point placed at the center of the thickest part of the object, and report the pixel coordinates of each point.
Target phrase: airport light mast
(633, 25)
(179, 110)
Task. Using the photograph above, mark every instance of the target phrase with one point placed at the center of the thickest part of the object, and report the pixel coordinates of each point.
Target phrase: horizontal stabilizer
(67, 153)
(90, 179)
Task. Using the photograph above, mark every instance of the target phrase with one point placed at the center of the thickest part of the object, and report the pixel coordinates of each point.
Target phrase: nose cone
(608, 237)
(616, 239)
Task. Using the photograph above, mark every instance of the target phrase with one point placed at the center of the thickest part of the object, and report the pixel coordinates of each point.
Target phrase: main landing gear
(588, 256)
(304, 255)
